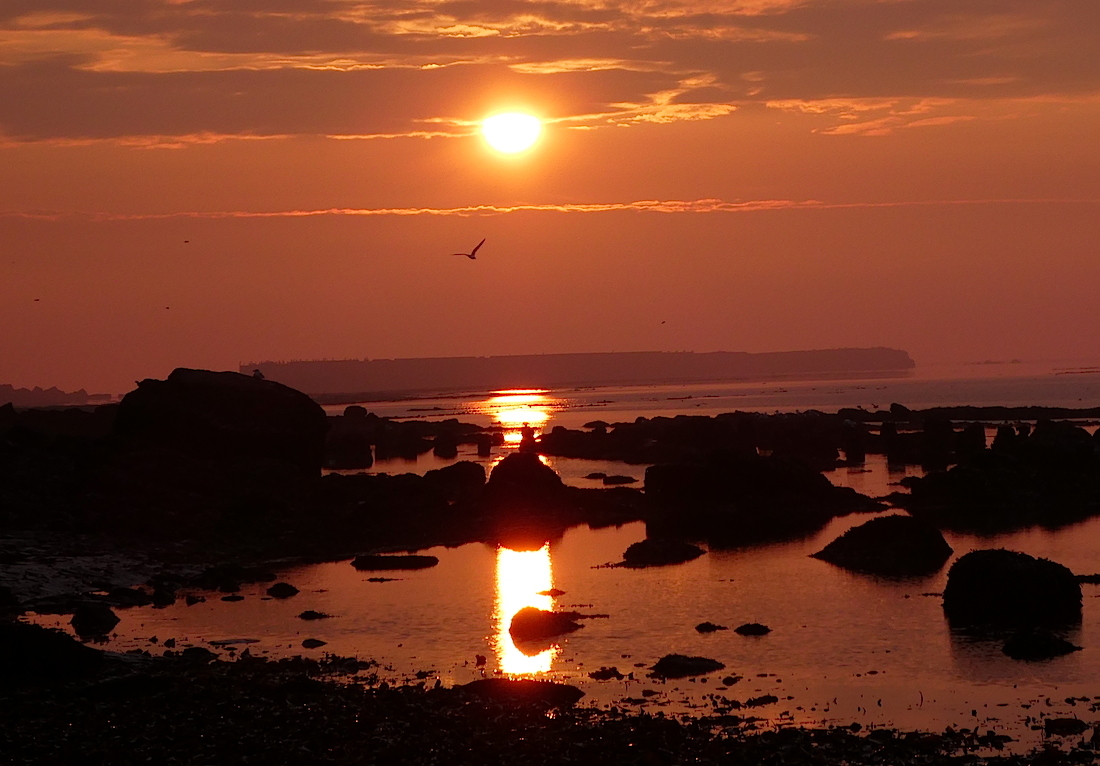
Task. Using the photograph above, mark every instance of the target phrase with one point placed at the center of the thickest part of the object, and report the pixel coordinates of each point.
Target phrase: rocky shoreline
(190, 709)
(208, 480)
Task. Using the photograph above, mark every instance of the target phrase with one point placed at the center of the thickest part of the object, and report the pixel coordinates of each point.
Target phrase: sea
(843, 648)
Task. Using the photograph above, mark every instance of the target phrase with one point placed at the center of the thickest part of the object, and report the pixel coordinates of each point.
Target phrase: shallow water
(843, 647)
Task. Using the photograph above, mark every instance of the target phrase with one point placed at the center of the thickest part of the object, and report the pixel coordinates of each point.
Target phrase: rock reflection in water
(521, 577)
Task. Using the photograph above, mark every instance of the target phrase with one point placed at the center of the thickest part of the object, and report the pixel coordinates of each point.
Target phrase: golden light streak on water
(521, 575)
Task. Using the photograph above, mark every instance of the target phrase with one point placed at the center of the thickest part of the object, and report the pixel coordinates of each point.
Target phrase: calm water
(843, 647)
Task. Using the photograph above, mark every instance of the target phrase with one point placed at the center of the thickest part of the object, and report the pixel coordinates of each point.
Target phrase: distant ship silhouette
(473, 253)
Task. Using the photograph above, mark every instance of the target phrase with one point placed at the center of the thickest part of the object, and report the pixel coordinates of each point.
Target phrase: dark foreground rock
(255, 711)
(30, 653)
(999, 587)
(657, 551)
(215, 415)
(889, 545)
(376, 563)
(682, 666)
(524, 691)
(532, 624)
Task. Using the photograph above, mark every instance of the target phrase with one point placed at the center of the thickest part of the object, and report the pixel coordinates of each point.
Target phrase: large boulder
(889, 545)
(1000, 587)
(225, 416)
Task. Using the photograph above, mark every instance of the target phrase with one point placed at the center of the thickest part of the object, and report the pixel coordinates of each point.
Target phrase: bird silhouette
(473, 253)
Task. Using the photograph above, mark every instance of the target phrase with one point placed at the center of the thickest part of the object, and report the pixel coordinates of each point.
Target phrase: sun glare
(511, 132)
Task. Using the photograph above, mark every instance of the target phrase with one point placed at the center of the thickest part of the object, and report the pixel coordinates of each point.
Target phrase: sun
(511, 132)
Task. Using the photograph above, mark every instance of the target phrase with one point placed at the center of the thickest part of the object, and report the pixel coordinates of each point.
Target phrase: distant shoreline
(362, 378)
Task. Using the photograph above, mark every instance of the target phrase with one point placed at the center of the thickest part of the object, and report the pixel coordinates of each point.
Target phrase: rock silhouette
(533, 624)
(217, 415)
(1000, 587)
(889, 545)
(655, 552)
(682, 666)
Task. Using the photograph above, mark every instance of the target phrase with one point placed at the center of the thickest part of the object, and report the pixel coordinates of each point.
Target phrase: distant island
(47, 397)
(364, 377)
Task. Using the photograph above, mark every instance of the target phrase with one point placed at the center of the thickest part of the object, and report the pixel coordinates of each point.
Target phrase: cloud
(130, 69)
(699, 206)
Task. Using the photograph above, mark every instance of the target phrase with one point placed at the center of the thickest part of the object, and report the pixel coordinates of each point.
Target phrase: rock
(127, 597)
(533, 624)
(225, 415)
(1065, 727)
(596, 476)
(606, 674)
(282, 590)
(522, 478)
(766, 699)
(31, 653)
(163, 597)
(654, 552)
(198, 654)
(752, 629)
(732, 499)
(682, 666)
(93, 620)
(233, 598)
(617, 479)
(9, 603)
(522, 691)
(1001, 587)
(730, 680)
(889, 545)
(313, 643)
(310, 614)
(459, 481)
(375, 563)
(709, 627)
(1036, 645)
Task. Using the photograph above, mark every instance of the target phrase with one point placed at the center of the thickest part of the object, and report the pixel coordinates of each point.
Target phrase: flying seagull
(473, 253)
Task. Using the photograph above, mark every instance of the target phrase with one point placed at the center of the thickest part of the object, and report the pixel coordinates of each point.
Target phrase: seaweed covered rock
(1000, 587)
(225, 415)
(657, 551)
(889, 545)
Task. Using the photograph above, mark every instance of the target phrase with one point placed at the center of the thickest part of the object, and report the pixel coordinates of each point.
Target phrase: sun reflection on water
(513, 409)
(521, 577)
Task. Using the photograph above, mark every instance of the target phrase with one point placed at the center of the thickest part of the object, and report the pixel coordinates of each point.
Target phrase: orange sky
(756, 174)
